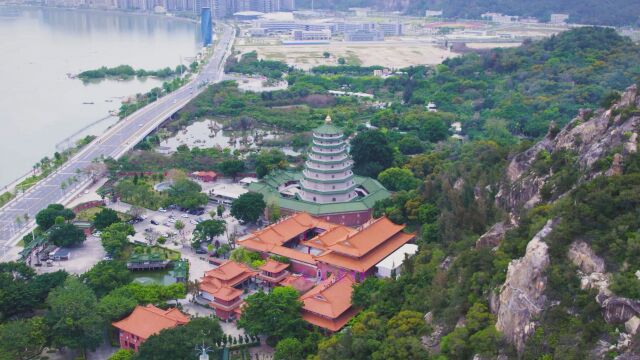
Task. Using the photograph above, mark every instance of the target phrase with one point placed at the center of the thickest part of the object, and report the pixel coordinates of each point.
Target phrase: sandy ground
(393, 54)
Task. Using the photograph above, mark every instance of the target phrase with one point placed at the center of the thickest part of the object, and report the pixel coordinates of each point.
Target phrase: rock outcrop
(493, 237)
(591, 135)
(616, 310)
(522, 295)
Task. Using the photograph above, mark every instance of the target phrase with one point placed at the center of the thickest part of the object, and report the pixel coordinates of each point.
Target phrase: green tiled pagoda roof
(268, 187)
(327, 129)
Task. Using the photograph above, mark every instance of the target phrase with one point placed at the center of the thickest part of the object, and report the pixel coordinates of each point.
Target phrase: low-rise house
(145, 321)
(328, 305)
(223, 287)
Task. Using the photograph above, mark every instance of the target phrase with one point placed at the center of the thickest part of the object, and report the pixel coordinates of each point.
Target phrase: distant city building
(559, 18)
(499, 18)
(206, 27)
(302, 35)
(433, 13)
(364, 35)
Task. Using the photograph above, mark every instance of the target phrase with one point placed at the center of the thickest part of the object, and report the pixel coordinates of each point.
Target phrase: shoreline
(11, 185)
(112, 11)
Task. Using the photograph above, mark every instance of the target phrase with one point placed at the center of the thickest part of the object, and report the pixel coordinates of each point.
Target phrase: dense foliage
(249, 64)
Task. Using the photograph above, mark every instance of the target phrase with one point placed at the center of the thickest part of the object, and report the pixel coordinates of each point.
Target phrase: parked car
(185, 216)
(201, 251)
(162, 210)
(198, 211)
(154, 222)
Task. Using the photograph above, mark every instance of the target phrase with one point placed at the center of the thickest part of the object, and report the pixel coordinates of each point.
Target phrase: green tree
(66, 235)
(266, 161)
(245, 256)
(248, 207)
(45, 218)
(115, 238)
(207, 230)
(151, 293)
(180, 342)
(456, 343)
(122, 354)
(22, 339)
(486, 341)
(115, 306)
(232, 167)
(276, 314)
(187, 194)
(72, 316)
(410, 145)
(274, 212)
(396, 179)
(289, 349)
(105, 218)
(23, 290)
(433, 129)
(220, 210)
(341, 61)
(371, 153)
(106, 276)
(401, 349)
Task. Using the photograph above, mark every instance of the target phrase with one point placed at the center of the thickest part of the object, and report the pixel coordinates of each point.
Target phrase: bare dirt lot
(392, 53)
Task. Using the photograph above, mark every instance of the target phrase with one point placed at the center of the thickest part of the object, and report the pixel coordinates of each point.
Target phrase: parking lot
(81, 258)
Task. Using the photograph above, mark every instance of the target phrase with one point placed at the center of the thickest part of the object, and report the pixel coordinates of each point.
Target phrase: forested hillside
(525, 251)
(613, 13)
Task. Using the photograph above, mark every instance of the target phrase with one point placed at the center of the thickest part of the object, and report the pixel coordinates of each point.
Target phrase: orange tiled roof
(369, 237)
(230, 273)
(330, 298)
(204, 173)
(219, 290)
(284, 230)
(148, 320)
(330, 237)
(273, 266)
(369, 260)
(293, 254)
(298, 282)
(330, 324)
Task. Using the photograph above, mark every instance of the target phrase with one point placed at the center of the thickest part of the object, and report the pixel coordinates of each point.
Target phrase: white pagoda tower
(327, 175)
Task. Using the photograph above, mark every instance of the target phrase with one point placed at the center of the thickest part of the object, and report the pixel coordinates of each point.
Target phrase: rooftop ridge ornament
(327, 120)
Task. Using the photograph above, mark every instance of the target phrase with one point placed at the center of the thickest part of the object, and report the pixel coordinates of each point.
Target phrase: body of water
(40, 105)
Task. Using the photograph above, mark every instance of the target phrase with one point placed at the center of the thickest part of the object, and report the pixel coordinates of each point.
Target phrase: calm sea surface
(40, 105)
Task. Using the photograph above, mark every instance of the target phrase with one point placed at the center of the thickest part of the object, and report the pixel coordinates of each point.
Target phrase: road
(115, 142)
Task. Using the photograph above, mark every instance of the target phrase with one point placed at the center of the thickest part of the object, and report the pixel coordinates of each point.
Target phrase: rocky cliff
(591, 135)
(522, 295)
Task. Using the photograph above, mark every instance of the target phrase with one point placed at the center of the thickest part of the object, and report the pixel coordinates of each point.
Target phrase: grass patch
(88, 214)
(6, 197)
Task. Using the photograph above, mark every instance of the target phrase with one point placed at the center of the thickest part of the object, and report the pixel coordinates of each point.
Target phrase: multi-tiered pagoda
(327, 175)
(327, 187)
